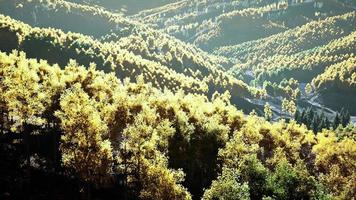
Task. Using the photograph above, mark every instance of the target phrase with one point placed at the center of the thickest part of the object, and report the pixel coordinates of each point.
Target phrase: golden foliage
(129, 128)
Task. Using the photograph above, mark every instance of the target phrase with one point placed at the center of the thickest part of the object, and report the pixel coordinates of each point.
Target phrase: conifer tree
(303, 117)
(345, 118)
(298, 117)
(310, 117)
(327, 123)
(315, 124)
(337, 121)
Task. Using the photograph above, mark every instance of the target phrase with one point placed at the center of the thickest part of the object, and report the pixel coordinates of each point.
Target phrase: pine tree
(315, 124)
(309, 117)
(342, 116)
(298, 117)
(321, 125)
(337, 121)
(327, 123)
(303, 117)
(345, 118)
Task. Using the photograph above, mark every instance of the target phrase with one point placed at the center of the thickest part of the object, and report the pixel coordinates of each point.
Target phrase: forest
(178, 99)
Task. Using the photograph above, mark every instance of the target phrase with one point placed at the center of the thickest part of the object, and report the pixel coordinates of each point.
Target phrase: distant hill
(294, 40)
(110, 26)
(126, 6)
(211, 24)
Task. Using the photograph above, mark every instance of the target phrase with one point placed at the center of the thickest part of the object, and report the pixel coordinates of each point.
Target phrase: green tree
(288, 182)
(227, 187)
(298, 116)
(337, 121)
(315, 124)
(345, 117)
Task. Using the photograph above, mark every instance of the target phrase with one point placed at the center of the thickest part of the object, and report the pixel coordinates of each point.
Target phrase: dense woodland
(203, 99)
(162, 145)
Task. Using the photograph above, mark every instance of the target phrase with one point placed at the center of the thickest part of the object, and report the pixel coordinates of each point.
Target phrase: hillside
(79, 18)
(313, 60)
(59, 47)
(125, 6)
(301, 53)
(255, 56)
(337, 80)
(307, 36)
(211, 24)
(308, 64)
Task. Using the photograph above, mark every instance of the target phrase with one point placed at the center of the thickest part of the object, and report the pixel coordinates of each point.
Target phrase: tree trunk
(56, 156)
(27, 133)
(88, 191)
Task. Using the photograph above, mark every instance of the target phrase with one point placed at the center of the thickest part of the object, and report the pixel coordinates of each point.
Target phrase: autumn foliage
(167, 145)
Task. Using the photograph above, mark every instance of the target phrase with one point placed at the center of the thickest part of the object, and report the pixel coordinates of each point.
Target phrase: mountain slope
(211, 24)
(59, 47)
(80, 18)
(307, 64)
(338, 80)
(125, 6)
(308, 36)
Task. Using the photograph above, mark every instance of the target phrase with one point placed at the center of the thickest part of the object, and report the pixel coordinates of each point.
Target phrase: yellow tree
(22, 92)
(23, 95)
(84, 143)
(335, 160)
(142, 158)
(308, 88)
(289, 106)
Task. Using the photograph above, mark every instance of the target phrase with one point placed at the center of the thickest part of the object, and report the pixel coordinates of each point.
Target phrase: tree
(334, 159)
(345, 117)
(298, 116)
(142, 160)
(84, 144)
(308, 89)
(337, 121)
(156, 137)
(310, 117)
(327, 123)
(268, 112)
(304, 117)
(288, 106)
(227, 187)
(288, 182)
(315, 124)
(24, 96)
(24, 101)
